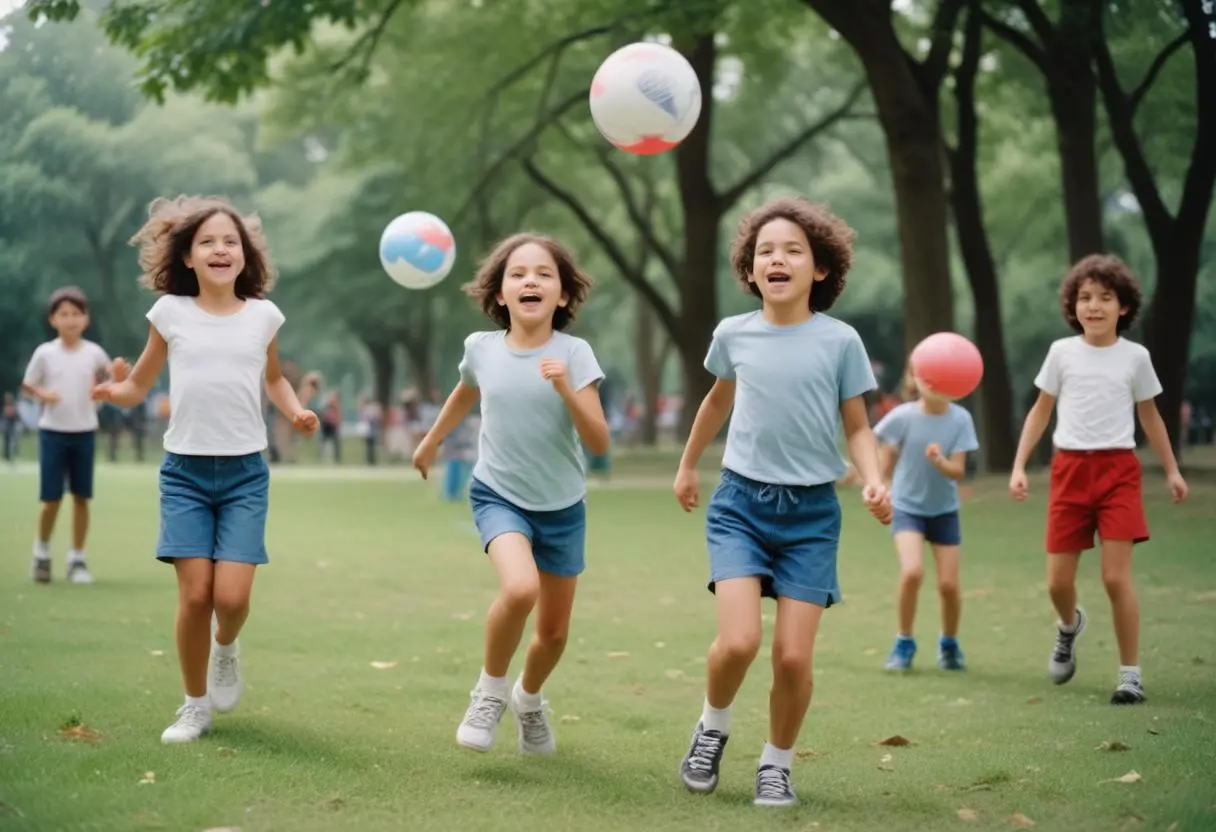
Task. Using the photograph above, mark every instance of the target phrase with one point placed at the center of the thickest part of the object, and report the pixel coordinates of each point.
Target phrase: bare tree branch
(732, 194)
(1155, 68)
(367, 42)
(662, 309)
(1033, 52)
(1038, 21)
(942, 41)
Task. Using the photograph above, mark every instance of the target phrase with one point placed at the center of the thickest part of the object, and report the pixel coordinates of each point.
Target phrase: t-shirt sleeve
(1049, 377)
(274, 320)
(161, 316)
(582, 368)
(892, 428)
(1145, 384)
(35, 371)
(468, 368)
(717, 359)
(856, 377)
(966, 440)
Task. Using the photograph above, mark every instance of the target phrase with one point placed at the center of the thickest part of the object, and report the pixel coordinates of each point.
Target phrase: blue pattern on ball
(653, 84)
(415, 251)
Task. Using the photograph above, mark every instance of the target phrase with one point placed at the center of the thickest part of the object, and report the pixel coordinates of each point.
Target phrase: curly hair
(831, 242)
(68, 294)
(487, 283)
(166, 238)
(1109, 272)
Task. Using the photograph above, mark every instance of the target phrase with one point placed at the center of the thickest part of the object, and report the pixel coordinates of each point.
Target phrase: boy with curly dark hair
(792, 375)
(1098, 378)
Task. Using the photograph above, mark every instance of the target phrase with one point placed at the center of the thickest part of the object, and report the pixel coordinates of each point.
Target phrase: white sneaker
(535, 732)
(192, 722)
(78, 572)
(224, 682)
(480, 721)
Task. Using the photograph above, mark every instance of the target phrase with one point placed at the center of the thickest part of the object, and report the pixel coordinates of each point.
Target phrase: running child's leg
(1125, 610)
(233, 585)
(1062, 587)
(946, 561)
(909, 546)
(192, 629)
(554, 605)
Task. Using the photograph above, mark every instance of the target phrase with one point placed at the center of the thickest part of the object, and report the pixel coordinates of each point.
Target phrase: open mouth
(777, 278)
(220, 266)
(529, 299)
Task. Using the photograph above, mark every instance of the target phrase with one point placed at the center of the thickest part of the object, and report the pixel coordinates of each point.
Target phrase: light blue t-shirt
(917, 487)
(789, 384)
(528, 450)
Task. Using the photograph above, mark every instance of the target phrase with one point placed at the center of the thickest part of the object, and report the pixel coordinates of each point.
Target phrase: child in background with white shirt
(60, 376)
(1099, 378)
(219, 335)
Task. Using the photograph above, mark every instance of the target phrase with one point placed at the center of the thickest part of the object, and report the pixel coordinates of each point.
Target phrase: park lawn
(376, 569)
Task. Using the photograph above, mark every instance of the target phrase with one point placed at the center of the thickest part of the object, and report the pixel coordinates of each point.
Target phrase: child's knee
(912, 574)
(738, 647)
(80, 501)
(519, 594)
(791, 664)
(195, 598)
(51, 506)
(947, 586)
(552, 636)
(230, 603)
(1117, 581)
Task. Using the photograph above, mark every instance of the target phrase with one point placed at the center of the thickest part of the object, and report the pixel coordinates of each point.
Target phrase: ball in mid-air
(645, 98)
(417, 250)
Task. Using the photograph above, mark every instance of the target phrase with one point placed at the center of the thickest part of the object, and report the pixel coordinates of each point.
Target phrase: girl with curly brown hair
(539, 397)
(793, 375)
(219, 335)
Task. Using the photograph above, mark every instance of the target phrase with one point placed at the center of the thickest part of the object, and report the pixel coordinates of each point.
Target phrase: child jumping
(1098, 378)
(924, 449)
(538, 394)
(793, 375)
(218, 333)
(61, 376)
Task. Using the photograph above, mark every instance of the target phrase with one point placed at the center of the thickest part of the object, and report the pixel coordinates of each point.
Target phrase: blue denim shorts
(786, 535)
(65, 458)
(213, 507)
(558, 537)
(942, 529)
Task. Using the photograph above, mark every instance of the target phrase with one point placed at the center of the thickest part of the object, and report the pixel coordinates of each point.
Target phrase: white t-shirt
(72, 373)
(1097, 389)
(217, 365)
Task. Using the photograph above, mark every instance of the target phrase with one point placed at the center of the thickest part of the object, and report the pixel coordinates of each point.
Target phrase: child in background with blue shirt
(792, 375)
(925, 442)
(539, 398)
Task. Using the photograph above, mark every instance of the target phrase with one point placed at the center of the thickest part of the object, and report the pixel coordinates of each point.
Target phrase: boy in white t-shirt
(60, 376)
(1099, 379)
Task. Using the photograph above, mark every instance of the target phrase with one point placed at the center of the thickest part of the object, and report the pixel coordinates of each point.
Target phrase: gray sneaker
(480, 721)
(40, 570)
(699, 768)
(1130, 690)
(773, 787)
(1063, 663)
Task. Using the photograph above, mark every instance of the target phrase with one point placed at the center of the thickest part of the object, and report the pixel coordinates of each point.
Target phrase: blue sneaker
(949, 655)
(901, 654)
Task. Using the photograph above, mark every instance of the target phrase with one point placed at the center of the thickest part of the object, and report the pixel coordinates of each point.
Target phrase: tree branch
(1155, 68)
(937, 62)
(1200, 179)
(367, 42)
(639, 218)
(1018, 40)
(1038, 21)
(732, 194)
(613, 251)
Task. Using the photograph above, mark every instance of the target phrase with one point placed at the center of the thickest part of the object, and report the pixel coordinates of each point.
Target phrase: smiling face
(783, 268)
(216, 254)
(1098, 310)
(531, 286)
(69, 320)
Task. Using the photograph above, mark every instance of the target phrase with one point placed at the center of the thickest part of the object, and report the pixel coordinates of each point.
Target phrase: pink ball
(948, 364)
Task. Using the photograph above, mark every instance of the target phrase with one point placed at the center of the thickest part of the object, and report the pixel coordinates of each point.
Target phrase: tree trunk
(1167, 326)
(649, 369)
(702, 217)
(1073, 101)
(381, 354)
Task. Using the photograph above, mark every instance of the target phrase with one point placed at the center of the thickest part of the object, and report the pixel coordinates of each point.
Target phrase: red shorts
(1094, 491)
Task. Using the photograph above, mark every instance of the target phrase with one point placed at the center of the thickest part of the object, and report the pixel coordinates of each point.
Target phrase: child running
(61, 376)
(218, 332)
(1098, 378)
(793, 375)
(925, 444)
(539, 398)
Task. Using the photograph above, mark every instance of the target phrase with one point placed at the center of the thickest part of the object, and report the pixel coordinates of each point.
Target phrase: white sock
(42, 549)
(75, 555)
(903, 636)
(496, 686)
(203, 702)
(779, 757)
(1071, 628)
(715, 719)
(526, 701)
(1133, 669)
(223, 649)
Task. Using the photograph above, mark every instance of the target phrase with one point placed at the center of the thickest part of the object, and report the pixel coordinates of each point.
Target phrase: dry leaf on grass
(157, 653)
(618, 654)
(384, 665)
(1132, 776)
(896, 741)
(148, 778)
(1034, 700)
(968, 815)
(1019, 821)
(1113, 745)
(885, 763)
(806, 754)
(569, 718)
(225, 752)
(660, 644)
(79, 732)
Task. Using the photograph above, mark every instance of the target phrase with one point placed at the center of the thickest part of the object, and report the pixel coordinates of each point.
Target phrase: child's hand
(555, 371)
(103, 392)
(1178, 487)
(424, 457)
(933, 452)
(119, 370)
(49, 397)
(305, 422)
(687, 489)
(1018, 486)
(878, 502)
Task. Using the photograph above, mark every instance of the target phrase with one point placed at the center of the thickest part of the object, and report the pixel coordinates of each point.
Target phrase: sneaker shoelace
(225, 670)
(484, 711)
(191, 716)
(772, 782)
(1064, 643)
(705, 749)
(1129, 681)
(535, 727)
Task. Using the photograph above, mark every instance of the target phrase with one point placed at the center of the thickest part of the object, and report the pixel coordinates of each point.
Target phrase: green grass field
(373, 568)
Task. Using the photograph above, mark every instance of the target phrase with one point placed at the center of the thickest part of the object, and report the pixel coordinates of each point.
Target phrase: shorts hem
(819, 597)
(488, 539)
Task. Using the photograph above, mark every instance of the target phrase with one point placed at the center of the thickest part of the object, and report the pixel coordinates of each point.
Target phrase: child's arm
(710, 418)
(585, 407)
(953, 466)
(863, 450)
(458, 405)
(283, 396)
(133, 389)
(888, 455)
(1032, 432)
(31, 384)
(1158, 437)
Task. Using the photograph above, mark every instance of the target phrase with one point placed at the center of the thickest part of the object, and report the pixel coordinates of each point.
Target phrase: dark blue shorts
(65, 458)
(213, 507)
(942, 529)
(558, 537)
(785, 535)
